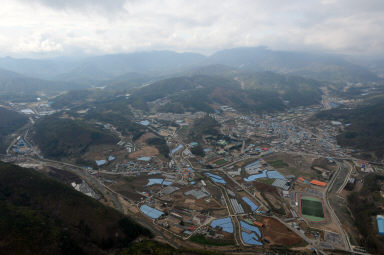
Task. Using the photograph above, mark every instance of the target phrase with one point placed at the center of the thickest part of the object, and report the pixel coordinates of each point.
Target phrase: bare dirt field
(96, 152)
(220, 213)
(277, 234)
(129, 187)
(262, 187)
(142, 139)
(146, 151)
(293, 164)
(273, 200)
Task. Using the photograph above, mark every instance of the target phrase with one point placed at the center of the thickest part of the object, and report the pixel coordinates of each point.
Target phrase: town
(261, 181)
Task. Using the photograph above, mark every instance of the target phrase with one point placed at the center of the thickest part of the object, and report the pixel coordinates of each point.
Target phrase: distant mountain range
(14, 84)
(323, 67)
(117, 68)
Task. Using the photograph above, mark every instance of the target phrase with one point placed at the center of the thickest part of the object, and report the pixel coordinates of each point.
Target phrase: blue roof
(275, 175)
(158, 181)
(144, 122)
(154, 181)
(380, 224)
(251, 228)
(253, 164)
(100, 162)
(250, 238)
(144, 158)
(110, 158)
(179, 147)
(167, 183)
(207, 150)
(250, 203)
(256, 176)
(224, 223)
(151, 212)
(216, 178)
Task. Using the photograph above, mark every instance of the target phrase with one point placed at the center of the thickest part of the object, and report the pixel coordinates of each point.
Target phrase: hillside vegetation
(366, 131)
(13, 84)
(298, 91)
(204, 126)
(10, 121)
(149, 247)
(201, 93)
(61, 137)
(39, 215)
(365, 205)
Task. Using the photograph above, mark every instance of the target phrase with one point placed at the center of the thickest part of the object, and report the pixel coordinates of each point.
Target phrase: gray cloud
(101, 6)
(108, 26)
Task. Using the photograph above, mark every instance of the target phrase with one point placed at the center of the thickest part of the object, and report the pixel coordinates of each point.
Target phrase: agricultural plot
(312, 208)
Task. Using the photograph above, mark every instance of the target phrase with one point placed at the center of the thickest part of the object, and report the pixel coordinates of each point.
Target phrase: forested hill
(10, 121)
(61, 137)
(39, 215)
(366, 130)
(245, 92)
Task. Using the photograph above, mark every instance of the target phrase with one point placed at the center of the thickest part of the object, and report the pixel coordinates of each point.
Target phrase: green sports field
(312, 209)
(220, 162)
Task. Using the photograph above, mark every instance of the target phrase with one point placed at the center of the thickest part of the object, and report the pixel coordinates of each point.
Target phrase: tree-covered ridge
(264, 92)
(61, 137)
(39, 215)
(366, 204)
(10, 121)
(366, 129)
(298, 91)
(205, 126)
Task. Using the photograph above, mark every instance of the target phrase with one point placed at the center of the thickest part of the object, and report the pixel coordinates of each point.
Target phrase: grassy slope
(39, 215)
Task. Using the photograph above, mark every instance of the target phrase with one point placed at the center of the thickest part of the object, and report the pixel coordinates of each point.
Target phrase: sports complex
(312, 208)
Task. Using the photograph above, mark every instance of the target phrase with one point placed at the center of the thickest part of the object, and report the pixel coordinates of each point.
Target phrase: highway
(328, 189)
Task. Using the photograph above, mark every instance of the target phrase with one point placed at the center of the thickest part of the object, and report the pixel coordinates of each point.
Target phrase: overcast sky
(73, 27)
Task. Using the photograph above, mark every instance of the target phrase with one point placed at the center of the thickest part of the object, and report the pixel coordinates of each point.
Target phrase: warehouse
(380, 224)
(236, 206)
(151, 212)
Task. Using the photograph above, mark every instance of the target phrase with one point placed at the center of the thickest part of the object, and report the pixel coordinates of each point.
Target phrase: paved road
(327, 190)
(346, 178)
